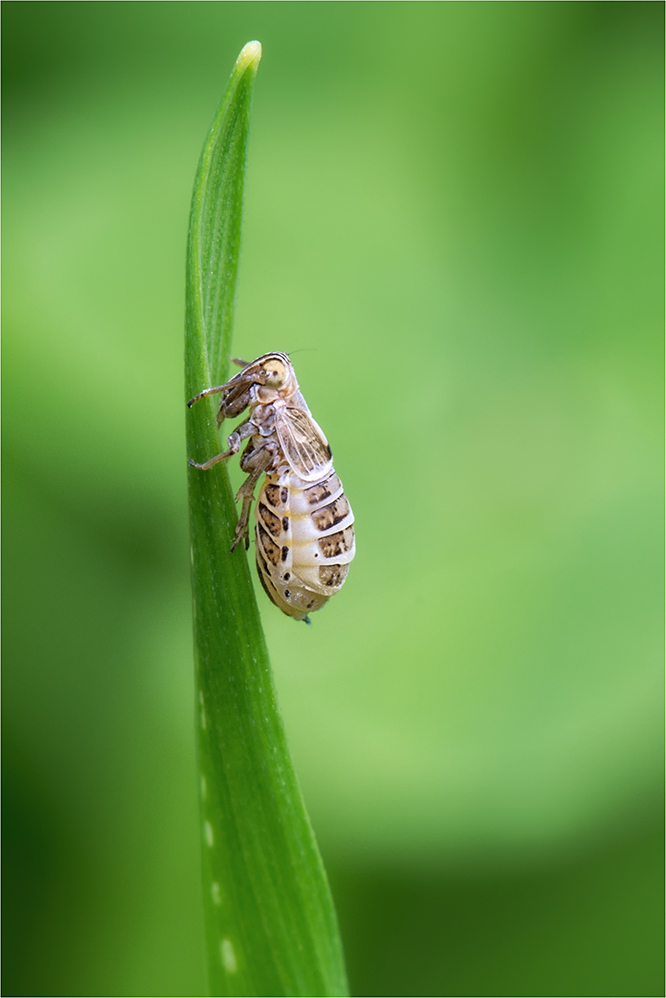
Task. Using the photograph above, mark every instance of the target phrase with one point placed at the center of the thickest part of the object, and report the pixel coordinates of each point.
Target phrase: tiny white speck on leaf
(215, 892)
(208, 832)
(204, 788)
(228, 956)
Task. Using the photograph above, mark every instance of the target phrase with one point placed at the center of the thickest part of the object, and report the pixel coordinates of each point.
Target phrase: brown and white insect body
(304, 530)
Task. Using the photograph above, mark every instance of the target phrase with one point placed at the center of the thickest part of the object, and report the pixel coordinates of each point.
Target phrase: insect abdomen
(305, 541)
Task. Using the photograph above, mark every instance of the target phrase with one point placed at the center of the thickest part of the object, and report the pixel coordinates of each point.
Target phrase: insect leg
(214, 460)
(256, 462)
(241, 363)
(205, 393)
(235, 399)
(234, 439)
(236, 396)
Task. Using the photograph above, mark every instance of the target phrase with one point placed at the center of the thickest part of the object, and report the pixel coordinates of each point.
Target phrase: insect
(304, 523)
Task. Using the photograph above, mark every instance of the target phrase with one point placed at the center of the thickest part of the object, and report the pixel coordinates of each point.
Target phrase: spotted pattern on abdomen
(305, 541)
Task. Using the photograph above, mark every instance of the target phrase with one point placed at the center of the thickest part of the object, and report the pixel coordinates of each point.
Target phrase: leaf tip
(249, 56)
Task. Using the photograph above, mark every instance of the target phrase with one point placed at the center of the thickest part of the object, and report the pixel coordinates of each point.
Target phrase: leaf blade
(270, 922)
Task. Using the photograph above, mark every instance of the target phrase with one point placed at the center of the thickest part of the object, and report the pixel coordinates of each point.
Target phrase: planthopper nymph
(304, 530)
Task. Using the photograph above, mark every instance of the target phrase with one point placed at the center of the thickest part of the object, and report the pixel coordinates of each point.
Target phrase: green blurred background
(454, 211)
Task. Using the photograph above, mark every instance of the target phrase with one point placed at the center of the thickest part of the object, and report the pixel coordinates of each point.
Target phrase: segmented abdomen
(305, 541)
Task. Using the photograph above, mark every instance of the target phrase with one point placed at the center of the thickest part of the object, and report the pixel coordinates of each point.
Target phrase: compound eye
(275, 373)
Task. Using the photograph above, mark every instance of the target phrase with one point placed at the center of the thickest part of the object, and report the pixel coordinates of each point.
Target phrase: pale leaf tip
(250, 53)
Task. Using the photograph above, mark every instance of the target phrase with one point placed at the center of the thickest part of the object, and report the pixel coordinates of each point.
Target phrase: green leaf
(270, 921)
